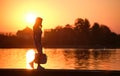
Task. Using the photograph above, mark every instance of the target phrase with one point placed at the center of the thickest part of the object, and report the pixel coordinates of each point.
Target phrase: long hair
(38, 22)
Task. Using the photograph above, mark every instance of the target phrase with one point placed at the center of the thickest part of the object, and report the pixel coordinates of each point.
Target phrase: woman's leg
(40, 67)
(39, 48)
(32, 64)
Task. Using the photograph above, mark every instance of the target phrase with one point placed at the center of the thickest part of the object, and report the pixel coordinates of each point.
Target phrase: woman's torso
(37, 33)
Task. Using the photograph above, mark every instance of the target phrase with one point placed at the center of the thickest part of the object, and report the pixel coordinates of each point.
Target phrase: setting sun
(30, 18)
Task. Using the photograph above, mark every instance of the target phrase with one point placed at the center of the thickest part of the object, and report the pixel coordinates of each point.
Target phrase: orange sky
(58, 12)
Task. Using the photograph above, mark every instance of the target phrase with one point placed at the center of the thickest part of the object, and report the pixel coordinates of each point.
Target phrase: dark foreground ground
(55, 72)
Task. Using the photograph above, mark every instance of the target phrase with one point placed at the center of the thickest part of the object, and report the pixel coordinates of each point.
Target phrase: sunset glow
(30, 18)
(16, 15)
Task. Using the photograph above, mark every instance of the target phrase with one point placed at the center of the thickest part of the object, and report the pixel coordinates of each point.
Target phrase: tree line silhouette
(22, 39)
(81, 34)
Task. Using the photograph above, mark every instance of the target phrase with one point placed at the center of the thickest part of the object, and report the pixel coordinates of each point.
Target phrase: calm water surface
(80, 59)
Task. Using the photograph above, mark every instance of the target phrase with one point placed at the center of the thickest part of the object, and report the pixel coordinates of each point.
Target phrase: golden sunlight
(30, 18)
(30, 55)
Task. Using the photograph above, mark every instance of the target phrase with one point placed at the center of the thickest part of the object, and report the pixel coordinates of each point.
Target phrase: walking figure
(40, 57)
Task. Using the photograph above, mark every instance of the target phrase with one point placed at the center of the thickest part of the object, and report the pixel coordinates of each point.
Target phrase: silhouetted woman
(37, 33)
(40, 58)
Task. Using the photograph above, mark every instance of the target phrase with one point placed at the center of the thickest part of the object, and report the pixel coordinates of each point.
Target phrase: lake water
(66, 58)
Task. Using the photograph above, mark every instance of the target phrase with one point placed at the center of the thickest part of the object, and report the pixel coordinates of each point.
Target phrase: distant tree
(105, 33)
(87, 24)
(95, 34)
(95, 28)
(102, 35)
(118, 40)
(113, 39)
(58, 28)
(68, 26)
(82, 28)
(26, 33)
(79, 24)
(105, 29)
(69, 35)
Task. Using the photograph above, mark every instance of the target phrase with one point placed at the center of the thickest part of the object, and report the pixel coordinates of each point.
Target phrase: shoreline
(57, 72)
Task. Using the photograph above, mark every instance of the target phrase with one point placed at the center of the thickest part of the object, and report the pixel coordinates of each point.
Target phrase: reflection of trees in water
(82, 54)
(81, 57)
(85, 58)
(69, 57)
(101, 54)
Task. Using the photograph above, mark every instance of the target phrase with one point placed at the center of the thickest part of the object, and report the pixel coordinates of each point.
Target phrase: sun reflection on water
(30, 55)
